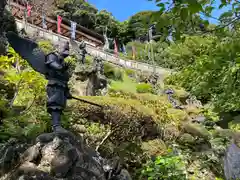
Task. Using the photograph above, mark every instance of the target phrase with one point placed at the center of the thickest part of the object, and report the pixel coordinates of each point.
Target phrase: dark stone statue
(57, 88)
(55, 70)
(232, 162)
(66, 155)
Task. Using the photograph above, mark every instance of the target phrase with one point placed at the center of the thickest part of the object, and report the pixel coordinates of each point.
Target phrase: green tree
(106, 23)
(77, 10)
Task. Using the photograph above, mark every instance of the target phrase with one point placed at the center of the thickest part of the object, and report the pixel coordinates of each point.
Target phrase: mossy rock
(170, 132)
(143, 116)
(179, 93)
(131, 118)
(197, 130)
(196, 171)
(79, 128)
(219, 145)
(222, 133)
(186, 139)
(192, 111)
(132, 115)
(178, 115)
(83, 69)
(154, 147)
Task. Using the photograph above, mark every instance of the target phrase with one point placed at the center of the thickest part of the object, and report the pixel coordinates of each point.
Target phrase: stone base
(56, 156)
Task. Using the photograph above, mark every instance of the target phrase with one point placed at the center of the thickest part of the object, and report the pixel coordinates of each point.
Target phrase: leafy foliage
(46, 46)
(144, 88)
(106, 23)
(169, 167)
(77, 10)
(112, 72)
(215, 64)
(26, 80)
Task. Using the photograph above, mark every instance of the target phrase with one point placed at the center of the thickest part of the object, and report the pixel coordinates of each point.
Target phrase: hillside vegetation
(138, 122)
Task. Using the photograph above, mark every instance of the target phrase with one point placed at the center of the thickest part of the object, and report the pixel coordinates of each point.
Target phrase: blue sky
(123, 9)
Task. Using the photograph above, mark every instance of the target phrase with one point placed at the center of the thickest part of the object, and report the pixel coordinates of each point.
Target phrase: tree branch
(29, 107)
(104, 139)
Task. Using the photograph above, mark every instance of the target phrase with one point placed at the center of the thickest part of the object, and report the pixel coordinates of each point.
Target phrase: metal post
(150, 35)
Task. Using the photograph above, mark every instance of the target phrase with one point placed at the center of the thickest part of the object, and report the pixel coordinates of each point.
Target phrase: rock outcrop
(87, 81)
(55, 156)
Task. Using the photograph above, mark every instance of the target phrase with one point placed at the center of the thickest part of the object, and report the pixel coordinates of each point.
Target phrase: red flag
(59, 19)
(29, 9)
(115, 48)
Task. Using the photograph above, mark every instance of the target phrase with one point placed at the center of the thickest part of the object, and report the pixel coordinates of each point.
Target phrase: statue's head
(52, 57)
(82, 45)
(65, 50)
(97, 59)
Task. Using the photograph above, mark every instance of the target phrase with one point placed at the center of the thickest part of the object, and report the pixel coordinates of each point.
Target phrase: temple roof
(18, 7)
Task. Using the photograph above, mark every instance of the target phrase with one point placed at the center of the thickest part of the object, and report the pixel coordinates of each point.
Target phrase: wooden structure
(18, 9)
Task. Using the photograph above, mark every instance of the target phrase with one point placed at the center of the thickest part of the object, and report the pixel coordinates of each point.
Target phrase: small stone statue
(80, 50)
(153, 78)
(101, 82)
(106, 45)
(83, 52)
(98, 64)
(170, 94)
(22, 33)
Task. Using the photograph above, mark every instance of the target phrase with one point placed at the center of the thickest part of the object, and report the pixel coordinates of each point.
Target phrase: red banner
(59, 21)
(29, 8)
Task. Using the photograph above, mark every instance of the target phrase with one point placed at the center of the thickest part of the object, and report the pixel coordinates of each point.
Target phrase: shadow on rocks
(56, 156)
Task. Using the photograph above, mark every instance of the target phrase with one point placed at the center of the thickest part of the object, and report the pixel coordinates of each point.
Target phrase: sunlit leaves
(29, 83)
(185, 10)
(213, 72)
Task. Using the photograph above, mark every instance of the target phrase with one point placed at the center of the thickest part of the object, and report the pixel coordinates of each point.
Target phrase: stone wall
(57, 39)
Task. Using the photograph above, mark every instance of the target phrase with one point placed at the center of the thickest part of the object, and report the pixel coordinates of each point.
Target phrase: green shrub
(112, 72)
(130, 72)
(46, 46)
(89, 60)
(167, 167)
(144, 88)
